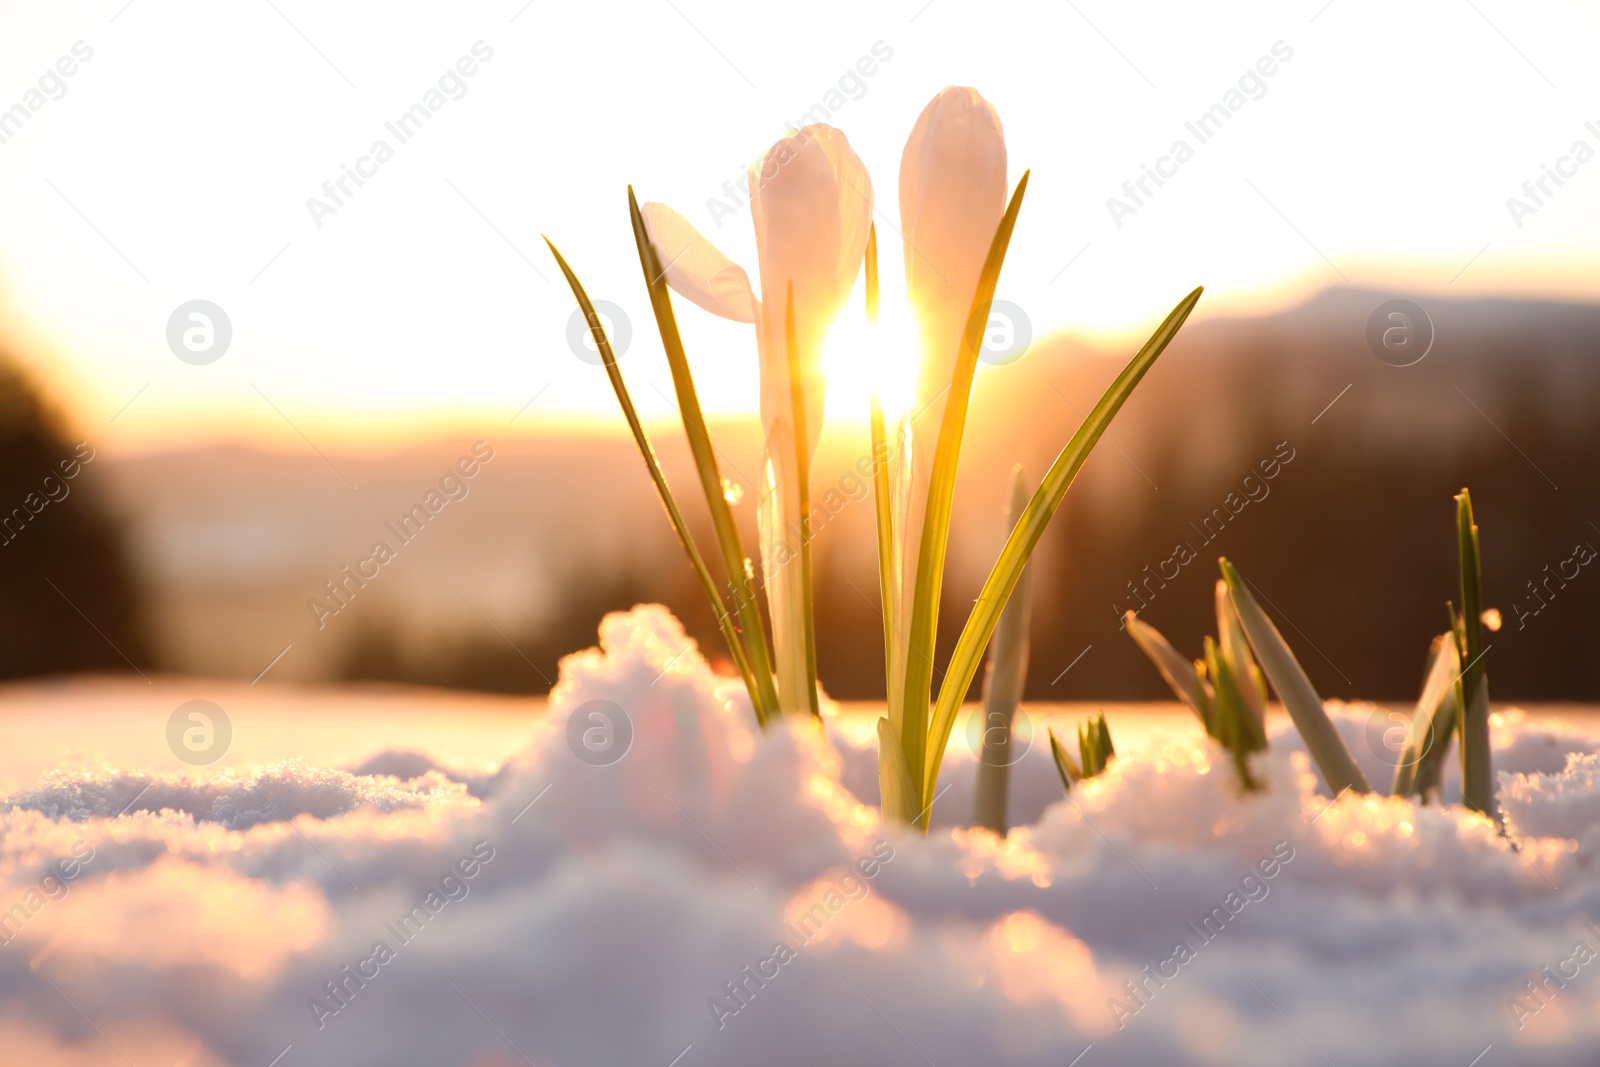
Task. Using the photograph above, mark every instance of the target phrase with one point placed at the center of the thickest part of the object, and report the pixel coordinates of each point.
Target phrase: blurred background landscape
(283, 587)
(151, 155)
(207, 560)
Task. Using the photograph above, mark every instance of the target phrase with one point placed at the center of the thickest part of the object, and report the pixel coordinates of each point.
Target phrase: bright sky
(176, 161)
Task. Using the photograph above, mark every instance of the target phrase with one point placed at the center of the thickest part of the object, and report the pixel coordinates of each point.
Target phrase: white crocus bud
(811, 202)
(952, 196)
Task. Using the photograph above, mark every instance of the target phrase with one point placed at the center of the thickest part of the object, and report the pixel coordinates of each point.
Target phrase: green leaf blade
(1066, 766)
(1432, 723)
(936, 526)
(897, 795)
(808, 621)
(1007, 570)
(736, 645)
(1175, 670)
(1294, 688)
(1003, 686)
(751, 630)
(1477, 773)
(882, 496)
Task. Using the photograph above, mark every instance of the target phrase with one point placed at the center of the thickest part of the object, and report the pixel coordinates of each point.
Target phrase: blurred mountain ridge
(1353, 543)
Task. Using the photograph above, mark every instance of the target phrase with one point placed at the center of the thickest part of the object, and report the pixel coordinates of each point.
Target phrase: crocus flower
(811, 201)
(952, 196)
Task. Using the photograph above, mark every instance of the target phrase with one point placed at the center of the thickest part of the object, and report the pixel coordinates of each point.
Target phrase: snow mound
(653, 880)
(407, 764)
(236, 801)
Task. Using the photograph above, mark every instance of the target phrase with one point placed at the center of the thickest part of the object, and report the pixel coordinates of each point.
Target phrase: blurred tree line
(1350, 544)
(69, 600)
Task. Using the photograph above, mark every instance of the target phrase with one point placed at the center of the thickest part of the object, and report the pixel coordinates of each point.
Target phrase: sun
(858, 358)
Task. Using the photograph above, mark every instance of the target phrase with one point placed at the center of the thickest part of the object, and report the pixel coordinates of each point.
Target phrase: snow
(629, 872)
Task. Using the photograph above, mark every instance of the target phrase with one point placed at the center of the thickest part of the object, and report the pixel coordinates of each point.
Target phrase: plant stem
(1007, 570)
(735, 644)
(1339, 768)
(1477, 776)
(883, 500)
(936, 524)
(752, 634)
(1003, 686)
(1432, 724)
(807, 616)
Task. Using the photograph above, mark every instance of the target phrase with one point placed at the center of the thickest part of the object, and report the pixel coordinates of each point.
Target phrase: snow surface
(201, 919)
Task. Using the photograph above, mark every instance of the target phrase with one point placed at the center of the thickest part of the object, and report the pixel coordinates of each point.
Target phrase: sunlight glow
(423, 308)
(856, 359)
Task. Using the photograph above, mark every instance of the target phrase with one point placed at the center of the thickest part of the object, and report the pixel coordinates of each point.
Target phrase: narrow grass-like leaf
(1432, 722)
(1095, 749)
(936, 523)
(1223, 687)
(1237, 727)
(1477, 775)
(1241, 678)
(1430, 769)
(736, 646)
(1207, 694)
(1003, 686)
(1178, 672)
(802, 449)
(752, 631)
(1418, 739)
(881, 493)
(1007, 570)
(1299, 698)
(897, 794)
(1235, 651)
(1066, 766)
(1222, 693)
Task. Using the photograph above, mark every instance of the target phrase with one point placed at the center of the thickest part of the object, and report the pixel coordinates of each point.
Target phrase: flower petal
(952, 195)
(811, 201)
(696, 268)
(854, 190)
